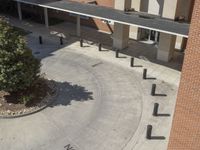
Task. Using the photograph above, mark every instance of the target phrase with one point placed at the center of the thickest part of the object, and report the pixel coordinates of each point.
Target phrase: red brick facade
(185, 132)
(96, 22)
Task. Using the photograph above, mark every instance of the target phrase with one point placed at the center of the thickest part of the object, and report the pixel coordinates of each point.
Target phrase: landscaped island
(22, 89)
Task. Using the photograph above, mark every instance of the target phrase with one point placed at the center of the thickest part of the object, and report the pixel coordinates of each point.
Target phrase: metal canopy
(138, 19)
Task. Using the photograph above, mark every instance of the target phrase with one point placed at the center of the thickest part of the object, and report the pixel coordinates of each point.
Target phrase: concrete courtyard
(102, 104)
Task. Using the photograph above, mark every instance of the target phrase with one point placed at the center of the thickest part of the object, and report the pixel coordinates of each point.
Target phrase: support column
(19, 10)
(121, 36)
(46, 17)
(166, 47)
(121, 32)
(78, 26)
(135, 31)
(166, 44)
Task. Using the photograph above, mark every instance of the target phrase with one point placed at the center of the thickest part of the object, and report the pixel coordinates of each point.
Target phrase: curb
(53, 99)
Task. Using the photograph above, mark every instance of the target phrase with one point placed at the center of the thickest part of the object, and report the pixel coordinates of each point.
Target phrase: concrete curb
(51, 101)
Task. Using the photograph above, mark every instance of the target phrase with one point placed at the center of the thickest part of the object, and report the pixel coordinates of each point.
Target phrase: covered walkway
(138, 19)
(168, 28)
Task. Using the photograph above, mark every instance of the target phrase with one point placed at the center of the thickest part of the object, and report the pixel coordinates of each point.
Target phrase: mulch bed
(10, 102)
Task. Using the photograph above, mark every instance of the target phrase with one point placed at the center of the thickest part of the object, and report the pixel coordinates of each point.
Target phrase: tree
(18, 67)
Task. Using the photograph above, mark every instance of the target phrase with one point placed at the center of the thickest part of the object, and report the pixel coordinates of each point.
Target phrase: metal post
(81, 42)
(145, 74)
(153, 90)
(155, 109)
(149, 131)
(117, 53)
(61, 40)
(132, 62)
(40, 40)
(100, 45)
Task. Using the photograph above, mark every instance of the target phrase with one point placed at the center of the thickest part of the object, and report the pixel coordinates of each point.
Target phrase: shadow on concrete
(163, 115)
(148, 52)
(139, 66)
(68, 92)
(143, 51)
(150, 78)
(136, 49)
(158, 138)
(121, 57)
(49, 46)
(162, 95)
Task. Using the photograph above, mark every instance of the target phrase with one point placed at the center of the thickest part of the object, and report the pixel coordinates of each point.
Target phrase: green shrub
(25, 98)
(18, 67)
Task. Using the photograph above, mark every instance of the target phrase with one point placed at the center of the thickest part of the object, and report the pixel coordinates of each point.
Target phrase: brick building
(185, 132)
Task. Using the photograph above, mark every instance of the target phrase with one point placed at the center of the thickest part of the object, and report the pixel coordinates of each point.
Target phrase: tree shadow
(60, 94)
(68, 92)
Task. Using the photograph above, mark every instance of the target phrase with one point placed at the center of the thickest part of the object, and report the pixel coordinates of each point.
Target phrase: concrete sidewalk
(103, 102)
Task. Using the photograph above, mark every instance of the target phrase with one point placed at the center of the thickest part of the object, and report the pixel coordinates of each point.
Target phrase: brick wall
(97, 23)
(185, 132)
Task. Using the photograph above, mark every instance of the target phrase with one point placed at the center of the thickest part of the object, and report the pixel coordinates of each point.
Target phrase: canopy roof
(138, 19)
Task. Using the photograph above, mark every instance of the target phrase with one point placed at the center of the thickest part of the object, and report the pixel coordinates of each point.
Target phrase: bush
(25, 98)
(18, 67)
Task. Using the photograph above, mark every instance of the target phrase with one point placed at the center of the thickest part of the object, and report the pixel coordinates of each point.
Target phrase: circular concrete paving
(99, 106)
